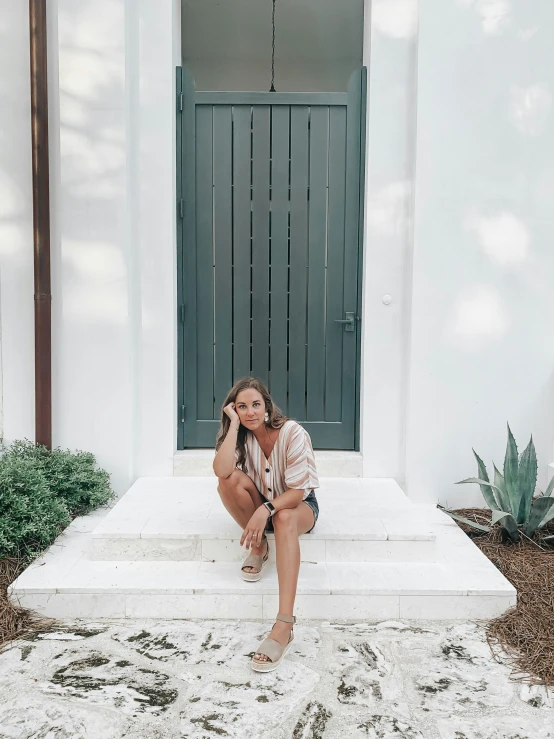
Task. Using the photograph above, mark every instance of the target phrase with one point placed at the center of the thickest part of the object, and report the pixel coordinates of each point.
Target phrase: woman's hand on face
(254, 531)
(231, 412)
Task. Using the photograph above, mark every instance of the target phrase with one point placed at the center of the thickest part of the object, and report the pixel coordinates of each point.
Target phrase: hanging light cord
(272, 89)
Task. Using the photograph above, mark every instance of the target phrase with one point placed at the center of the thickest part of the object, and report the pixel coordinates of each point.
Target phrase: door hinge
(181, 100)
(182, 313)
(181, 208)
(182, 414)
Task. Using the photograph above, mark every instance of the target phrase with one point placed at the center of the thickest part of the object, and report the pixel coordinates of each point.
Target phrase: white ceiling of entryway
(228, 42)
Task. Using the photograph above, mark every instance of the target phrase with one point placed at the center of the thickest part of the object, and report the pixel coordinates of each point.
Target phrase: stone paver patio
(387, 680)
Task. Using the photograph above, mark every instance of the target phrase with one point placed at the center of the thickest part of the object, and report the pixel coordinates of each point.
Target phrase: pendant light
(272, 88)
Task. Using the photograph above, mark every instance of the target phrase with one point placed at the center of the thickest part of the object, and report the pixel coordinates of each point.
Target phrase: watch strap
(270, 507)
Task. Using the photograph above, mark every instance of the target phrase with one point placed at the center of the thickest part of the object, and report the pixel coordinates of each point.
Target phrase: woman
(266, 472)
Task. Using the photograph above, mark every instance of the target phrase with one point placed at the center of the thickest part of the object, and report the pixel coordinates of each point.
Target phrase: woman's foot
(261, 550)
(281, 633)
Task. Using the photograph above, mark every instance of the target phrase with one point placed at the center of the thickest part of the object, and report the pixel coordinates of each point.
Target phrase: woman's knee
(283, 518)
(227, 484)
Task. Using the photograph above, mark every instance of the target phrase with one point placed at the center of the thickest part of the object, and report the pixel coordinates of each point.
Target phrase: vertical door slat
(241, 240)
(299, 149)
(260, 242)
(317, 238)
(279, 252)
(204, 262)
(223, 304)
(335, 264)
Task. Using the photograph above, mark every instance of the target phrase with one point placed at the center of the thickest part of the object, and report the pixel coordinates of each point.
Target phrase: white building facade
(457, 247)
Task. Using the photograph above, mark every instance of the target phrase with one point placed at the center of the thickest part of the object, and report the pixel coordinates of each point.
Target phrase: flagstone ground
(191, 679)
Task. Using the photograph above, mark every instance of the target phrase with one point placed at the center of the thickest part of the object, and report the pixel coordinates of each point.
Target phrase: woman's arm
(300, 475)
(224, 461)
(252, 534)
(289, 499)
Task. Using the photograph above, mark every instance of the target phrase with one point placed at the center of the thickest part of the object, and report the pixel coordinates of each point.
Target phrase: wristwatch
(270, 507)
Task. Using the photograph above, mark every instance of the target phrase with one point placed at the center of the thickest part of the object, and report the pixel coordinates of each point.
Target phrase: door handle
(348, 321)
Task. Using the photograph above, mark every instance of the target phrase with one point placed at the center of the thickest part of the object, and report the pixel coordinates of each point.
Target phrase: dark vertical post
(41, 224)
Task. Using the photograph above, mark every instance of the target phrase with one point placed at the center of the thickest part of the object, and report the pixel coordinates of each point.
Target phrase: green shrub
(72, 476)
(30, 514)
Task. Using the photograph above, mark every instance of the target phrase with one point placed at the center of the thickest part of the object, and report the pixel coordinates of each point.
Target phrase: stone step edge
(266, 591)
(335, 608)
(191, 536)
(182, 550)
(267, 585)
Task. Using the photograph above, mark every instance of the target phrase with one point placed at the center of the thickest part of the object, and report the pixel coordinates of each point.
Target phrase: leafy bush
(72, 476)
(511, 497)
(30, 514)
(41, 491)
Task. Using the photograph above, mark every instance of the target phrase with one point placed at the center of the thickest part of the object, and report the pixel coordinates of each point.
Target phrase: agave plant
(511, 496)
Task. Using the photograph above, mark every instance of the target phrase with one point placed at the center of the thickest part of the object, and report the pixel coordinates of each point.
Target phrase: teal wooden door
(269, 223)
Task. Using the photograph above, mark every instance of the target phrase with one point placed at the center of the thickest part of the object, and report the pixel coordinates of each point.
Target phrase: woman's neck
(264, 434)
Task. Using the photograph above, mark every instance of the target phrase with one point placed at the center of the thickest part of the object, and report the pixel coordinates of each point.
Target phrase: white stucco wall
(115, 267)
(112, 98)
(16, 224)
(390, 55)
(481, 348)
(458, 226)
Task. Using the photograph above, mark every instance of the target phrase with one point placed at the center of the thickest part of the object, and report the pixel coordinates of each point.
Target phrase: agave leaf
(550, 487)
(466, 520)
(488, 494)
(501, 485)
(527, 481)
(482, 483)
(542, 511)
(507, 521)
(548, 517)
(511, 465)
(499, 515)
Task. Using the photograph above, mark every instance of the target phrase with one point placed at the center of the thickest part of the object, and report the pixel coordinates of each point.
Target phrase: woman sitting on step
(266, 471)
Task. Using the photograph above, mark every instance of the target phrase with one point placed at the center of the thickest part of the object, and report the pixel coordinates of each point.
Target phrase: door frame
(361, 250)
(181, 195)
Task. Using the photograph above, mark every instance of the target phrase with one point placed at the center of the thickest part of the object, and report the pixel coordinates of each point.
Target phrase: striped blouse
(291, 464)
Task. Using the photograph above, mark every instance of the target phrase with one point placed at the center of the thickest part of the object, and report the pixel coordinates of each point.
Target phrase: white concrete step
(216, 590)
(198, 462)
(184, 519)
(461, 584)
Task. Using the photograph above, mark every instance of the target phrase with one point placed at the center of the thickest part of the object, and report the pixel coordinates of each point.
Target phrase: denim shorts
(311, 501)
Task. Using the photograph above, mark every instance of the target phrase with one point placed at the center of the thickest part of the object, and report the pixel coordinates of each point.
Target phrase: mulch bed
(525, 633)
(14, 620)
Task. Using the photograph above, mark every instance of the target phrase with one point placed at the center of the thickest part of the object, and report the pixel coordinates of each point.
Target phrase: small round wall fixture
(387, 299)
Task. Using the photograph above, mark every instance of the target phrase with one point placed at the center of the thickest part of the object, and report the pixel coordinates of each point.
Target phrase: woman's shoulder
(291, 425)
(293, 429)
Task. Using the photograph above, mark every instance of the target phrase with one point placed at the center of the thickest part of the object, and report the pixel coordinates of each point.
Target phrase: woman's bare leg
(241, 497)
(288, 523)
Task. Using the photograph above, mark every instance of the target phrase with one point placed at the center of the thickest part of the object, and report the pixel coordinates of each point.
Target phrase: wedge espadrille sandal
(257, 561)
(272, 649)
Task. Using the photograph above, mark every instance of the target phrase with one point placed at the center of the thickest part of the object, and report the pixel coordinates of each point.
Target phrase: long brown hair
(276, 418)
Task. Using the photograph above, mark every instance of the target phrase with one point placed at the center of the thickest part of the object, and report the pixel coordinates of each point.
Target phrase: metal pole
(41, 224)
